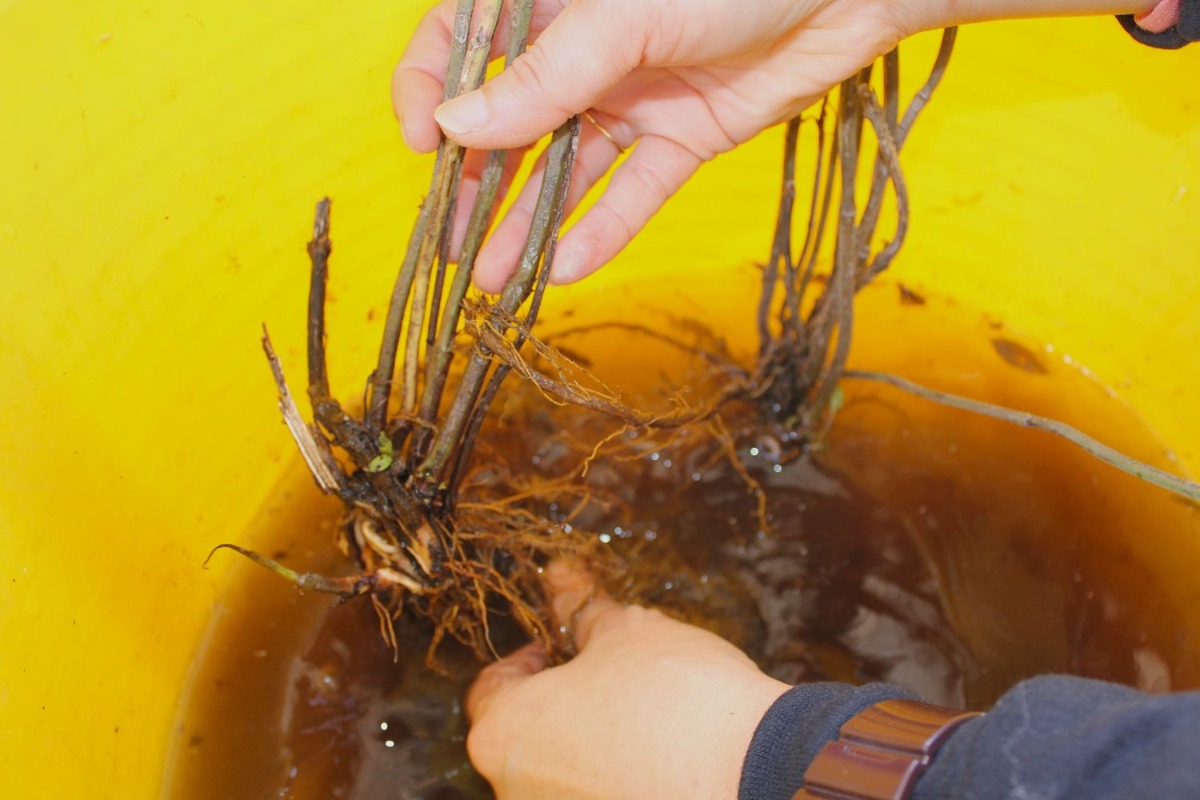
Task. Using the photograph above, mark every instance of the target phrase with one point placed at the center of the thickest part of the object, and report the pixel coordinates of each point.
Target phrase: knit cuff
(1186, 28)
(795, 728)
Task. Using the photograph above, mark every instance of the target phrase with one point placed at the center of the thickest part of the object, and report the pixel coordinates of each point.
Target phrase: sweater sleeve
(1060, 737)
(795, 727)
(1051, 738)
(1186, 29)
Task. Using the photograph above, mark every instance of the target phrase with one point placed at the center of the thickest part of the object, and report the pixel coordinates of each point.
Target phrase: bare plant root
(432, 536)
(399, 466)
(417, 549)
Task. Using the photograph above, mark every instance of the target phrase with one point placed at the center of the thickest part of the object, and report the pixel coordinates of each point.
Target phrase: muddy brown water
(948, 553)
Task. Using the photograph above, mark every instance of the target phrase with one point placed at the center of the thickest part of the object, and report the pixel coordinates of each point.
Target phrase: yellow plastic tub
(160, 162)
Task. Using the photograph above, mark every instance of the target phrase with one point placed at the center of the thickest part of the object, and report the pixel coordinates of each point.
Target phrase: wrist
(716, 756)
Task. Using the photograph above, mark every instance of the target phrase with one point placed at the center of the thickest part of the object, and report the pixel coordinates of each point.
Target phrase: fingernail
(404, 135)
(486, 280)
(463, 114)
(569, 263)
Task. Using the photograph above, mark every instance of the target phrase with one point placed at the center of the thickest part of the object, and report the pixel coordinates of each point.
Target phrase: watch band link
(880, 752)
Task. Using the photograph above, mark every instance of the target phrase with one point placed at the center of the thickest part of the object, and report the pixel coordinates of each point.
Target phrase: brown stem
(312, 444)
(446, 194)
(515, 292)
(921, 98)
(449, 435)
(839, 313)
(319, 249)
(326, 410)
(559, 160)
(442, 198)
(810, 261)
(381, 380)
(890, 158)
(522, 14)
(1151, 474)
(439, 280)
(458, 47)
(471, 434)
(816, 220)
(558, 210)
(879, 177)
(781, 242)
(475, 66)
(440, 354)
(559, 207)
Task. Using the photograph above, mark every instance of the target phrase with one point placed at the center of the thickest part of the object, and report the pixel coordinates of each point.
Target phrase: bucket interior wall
(161, 161)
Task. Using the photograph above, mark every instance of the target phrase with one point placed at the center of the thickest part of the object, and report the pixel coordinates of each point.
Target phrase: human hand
(685, 81)
(649, 708)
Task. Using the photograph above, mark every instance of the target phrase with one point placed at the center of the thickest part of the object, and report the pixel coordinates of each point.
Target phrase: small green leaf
(836, 400)
(385, 449)
(380, 462)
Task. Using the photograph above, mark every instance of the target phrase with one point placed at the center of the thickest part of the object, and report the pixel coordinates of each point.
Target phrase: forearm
(922, 15)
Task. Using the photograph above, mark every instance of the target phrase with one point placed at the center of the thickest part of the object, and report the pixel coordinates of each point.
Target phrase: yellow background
(159, 165)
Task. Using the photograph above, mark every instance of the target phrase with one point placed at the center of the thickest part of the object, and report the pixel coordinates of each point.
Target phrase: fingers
(529, 660)
(577, 602)
(503, 248)
(415, 94)
(472, 177)
(654, 171)
(418, 80)
(587, 49)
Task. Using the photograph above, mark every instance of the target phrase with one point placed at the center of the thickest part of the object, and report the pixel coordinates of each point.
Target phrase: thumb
(494, 678)
(588, 48)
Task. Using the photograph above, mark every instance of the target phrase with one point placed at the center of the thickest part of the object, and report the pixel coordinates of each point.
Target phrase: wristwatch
(880, 752)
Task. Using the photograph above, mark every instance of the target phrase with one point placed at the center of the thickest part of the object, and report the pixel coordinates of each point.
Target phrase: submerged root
(492, 570)
(344, 587)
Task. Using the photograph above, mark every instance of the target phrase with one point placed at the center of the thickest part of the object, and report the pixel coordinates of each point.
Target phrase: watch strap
(881, 752)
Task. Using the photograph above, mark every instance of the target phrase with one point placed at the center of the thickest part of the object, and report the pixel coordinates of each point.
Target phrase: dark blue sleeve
(1060, 737)
(795, 728)
(1186, 30)
(1051, 738)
